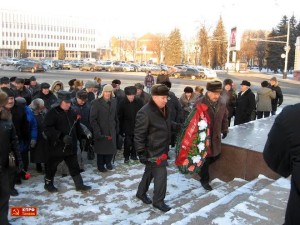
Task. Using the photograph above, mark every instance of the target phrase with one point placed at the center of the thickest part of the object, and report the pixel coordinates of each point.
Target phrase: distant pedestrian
(277, 101)
(162, 77)
(149, 81)
(229, 96)
(245, 104)
(263, 100)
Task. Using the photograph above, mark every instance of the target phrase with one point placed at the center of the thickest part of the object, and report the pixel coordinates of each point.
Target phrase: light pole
(287, 49)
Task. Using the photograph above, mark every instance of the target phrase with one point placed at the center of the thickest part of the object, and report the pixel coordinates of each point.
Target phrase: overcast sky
(137, 17)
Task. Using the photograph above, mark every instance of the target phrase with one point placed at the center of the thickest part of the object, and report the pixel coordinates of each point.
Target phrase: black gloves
(143, 159)
(224, 135)
(67, 139)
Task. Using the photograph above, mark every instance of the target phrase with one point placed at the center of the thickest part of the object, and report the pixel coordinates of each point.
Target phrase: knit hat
(3, 98)
(188, 90)
(246, 83)
(83, 95)
(90, 84)
(45, 85)
(130, 90)
(106, 88)
(214, 86)
(139, 86)
(8, 91)
(159, 90)
(4, 80)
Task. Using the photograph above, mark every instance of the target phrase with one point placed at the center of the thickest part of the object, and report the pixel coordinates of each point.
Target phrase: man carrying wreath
(218, 125)
(151, 138)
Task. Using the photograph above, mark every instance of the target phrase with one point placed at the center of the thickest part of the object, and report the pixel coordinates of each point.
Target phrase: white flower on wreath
(196, 158)
(202, 136)
(201, 146)
(202, 125)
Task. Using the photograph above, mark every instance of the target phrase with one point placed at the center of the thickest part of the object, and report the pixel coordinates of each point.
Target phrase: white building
(44, 34)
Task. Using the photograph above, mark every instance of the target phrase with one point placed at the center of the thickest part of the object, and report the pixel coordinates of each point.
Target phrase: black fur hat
(130, 90)
(227, 81)
(214, 86)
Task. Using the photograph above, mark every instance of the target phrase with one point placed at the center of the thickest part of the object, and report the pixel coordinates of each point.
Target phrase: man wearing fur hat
(22, 91)
(118, 92)
(277, 101)
(34, 86)
(218, 115)
(4, 82)
(62, 129)
(127, 111)
(8, 142)
(229, 96)
(105, 126)
(245, 104)
(151, 139)
(144, 96)
(48, 97)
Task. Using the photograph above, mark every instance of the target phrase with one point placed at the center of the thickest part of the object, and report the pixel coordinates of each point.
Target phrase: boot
(49, 186)
(79, 183)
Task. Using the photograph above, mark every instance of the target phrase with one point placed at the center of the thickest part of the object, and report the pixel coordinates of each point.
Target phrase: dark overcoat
(282, 154)
(48, 99)
(218, 122)
(245, 105)
(104, 122)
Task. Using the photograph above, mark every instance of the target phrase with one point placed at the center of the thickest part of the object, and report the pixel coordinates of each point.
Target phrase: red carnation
(78, 117)
(164, 157)
(27, 176)
(158, 161)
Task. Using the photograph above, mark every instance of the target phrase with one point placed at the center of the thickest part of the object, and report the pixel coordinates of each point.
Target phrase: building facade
(44, 34)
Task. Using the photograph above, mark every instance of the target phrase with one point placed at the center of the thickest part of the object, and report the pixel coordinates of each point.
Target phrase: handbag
(90, 153)
(11, 160)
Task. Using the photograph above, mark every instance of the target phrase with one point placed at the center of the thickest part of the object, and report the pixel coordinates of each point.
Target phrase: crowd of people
(49, 121)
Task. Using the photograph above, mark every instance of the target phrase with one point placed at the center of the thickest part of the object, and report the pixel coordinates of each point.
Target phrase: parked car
(208, 73)
(109, 66)
(136, 67)
(31, 67)
(90, 67)
(123, 67)
(61, 65)
(189, 73)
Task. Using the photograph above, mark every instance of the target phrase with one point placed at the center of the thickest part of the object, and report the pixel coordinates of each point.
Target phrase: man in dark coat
(245, 104)
(282, 154)
(118, 92)
(144, 96)
(62, 129)
(127, 111)
(277, 101)
(151, 138)
(8, 142)
(229, 96)
(218, 115)
(105, 127)
(34, 87)
(22, 91)
(48, 97)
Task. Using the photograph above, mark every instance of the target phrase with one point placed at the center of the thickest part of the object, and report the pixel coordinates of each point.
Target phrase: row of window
(47, 36)
(42, 27)
(47, 44)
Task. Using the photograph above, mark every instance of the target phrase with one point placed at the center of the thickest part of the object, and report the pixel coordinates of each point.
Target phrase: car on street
(191, 73)
(31, 67)
(90, 67)
(62, 65)
(208, 73)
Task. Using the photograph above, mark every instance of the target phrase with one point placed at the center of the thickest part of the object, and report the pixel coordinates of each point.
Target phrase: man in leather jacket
(151, 138)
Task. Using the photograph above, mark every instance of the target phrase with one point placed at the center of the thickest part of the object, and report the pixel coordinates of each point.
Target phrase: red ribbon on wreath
(190, 133)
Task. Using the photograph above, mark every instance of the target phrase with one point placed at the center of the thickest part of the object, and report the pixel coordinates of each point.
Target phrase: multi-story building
(44, 34)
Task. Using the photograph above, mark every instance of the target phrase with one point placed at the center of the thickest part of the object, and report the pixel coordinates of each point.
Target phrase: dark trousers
(204, 172)
(4, 196)
(25, 160)
(129, 149)
(13, 177)
(261, 114)
(160, 183)
(70, 160)
(104, 160)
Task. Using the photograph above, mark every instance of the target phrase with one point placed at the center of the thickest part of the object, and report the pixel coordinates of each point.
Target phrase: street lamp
(287, 49)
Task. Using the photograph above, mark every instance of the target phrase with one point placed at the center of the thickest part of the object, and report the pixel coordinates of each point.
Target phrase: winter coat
(8, 140)
(49, 99)
(263, 99)
(127, 113)
(104, 122)
(145, 97)
(52, 89)
(161, 78)
(20, 122)
(176, 112)
(83, 111)
(279, 97)
(230, 99)
(187, 104)
(245, 105)
(218, 122)
(32, 127)
(149, 81)
(152, 131)
(282, 154)
(119, 95)
(35, 89)
(57, 124)
(24, 93)
(39, 153)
